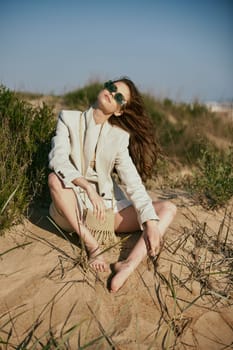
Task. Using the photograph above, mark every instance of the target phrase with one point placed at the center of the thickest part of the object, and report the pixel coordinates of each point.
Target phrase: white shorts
(64, 224)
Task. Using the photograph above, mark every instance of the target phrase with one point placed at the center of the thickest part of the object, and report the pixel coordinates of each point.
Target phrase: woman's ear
(118, 114)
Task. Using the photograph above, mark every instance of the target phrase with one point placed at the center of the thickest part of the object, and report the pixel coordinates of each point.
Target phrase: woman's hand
(152, 237)
(97, 202)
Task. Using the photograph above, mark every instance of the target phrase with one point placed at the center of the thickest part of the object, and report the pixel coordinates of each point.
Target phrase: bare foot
(97, 261)
(123, 270)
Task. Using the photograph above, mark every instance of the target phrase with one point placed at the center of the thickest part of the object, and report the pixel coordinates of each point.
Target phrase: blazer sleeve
(59, 156)
(133, 185)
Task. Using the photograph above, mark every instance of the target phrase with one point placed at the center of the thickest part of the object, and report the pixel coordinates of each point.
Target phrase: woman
(118, 135)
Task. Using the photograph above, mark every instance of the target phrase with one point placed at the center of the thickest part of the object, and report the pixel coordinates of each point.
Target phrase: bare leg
(126, 221)
(66, 204)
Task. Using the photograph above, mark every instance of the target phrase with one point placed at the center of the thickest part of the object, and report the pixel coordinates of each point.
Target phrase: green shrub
(25, 136)
(183, 130)
(213, 180)
(83, 98)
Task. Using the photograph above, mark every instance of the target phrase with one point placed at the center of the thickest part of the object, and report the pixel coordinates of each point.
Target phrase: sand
(48, 294)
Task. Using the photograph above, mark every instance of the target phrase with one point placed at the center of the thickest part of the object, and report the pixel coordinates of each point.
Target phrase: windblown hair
(143, 148)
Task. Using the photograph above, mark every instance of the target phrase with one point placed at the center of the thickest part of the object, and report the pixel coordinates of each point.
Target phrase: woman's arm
(137, 193)
(133, 185)
(59, 156)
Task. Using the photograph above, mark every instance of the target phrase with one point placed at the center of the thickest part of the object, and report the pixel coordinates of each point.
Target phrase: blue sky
(172, 48)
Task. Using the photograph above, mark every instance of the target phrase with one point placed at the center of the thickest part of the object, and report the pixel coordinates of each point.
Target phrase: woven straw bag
(102, 231)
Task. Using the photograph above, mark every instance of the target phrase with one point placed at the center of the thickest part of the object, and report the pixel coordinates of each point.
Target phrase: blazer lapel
(101, 144)
(93, 136)
(90, 141)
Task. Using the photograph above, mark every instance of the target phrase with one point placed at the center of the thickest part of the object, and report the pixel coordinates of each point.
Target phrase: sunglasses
(112, 88)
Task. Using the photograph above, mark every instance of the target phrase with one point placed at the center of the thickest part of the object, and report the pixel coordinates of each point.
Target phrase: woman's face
(106, 101)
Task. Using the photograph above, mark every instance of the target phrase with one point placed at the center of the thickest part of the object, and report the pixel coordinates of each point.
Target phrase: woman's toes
(99, 265)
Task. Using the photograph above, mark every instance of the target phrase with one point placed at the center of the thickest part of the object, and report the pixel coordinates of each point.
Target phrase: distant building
(221, 107)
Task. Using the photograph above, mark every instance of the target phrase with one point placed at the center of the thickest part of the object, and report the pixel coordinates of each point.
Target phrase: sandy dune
(48, 294)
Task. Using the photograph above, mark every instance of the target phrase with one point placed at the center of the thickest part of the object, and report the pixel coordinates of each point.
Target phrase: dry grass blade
(48, 243)
(59, 294)
(25, 342)
(181, 283)
(92, 342)
(52, 341)
(220, 230)
(31, 341)
(106, 336)
(191, 303)
(64, 235)
(9, 199)
(16, 247)
(230, 220)
(162, 304)
(170, 286)
(88, 328)
(67, 334)
(147, 288)
(11, 319)
(67, 318)
(181, 241)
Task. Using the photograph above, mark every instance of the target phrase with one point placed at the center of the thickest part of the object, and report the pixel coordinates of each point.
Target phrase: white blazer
(112, 152)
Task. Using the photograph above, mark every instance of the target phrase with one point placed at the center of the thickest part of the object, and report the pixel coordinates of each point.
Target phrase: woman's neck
(99, 116)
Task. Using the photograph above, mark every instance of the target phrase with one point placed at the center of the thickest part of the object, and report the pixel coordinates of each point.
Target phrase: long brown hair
(143, 147)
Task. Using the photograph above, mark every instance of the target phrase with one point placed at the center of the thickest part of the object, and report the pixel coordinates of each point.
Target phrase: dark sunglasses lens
(110, 86)
(119, 99)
